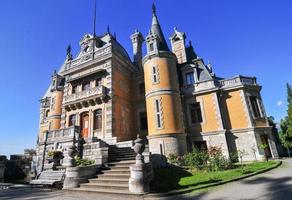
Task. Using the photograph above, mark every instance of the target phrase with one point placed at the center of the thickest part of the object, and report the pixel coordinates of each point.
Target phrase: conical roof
(156, 30)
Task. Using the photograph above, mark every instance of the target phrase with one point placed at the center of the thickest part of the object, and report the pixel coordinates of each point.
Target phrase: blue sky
(250, 37)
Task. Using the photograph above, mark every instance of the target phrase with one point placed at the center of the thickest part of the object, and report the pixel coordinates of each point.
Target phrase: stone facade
(102, 97)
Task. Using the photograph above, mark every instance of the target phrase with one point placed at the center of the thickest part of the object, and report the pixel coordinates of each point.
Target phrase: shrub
(176, 160)
(83, 162)
(197, 159)
(55, 154)
(217, 160)
(233, 156)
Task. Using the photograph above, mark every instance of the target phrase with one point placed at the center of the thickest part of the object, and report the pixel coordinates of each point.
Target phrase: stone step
(104, 180)
(120, 167)
(122, 154)
(114, 176)
(122, 163)
(112, 191)
(119, 170)
(111, 172)
(120, 159)
(115, 186)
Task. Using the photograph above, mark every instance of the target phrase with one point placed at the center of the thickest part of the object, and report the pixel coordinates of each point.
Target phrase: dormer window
(151, 47)
(190, 79)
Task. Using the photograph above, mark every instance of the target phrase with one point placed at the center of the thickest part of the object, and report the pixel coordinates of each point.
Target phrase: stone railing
(62, 133)
(238, 81)
(100, 90)
(99, 54)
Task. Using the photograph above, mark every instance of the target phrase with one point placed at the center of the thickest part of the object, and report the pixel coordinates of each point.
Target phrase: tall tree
(286, 124)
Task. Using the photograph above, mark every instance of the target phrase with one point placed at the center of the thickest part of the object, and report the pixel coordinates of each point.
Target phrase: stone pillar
(140, 179)
(141, 172)
(2, 167)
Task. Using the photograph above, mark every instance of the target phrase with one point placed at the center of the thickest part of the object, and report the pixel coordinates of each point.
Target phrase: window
(72, 120)
(98, 119)
(195, 113)
(190, 78)
(155, 74)
(53, 101)
(200, 145)
(86, 86)
(142, 89)
(143, 121)
(98, 82)
(47, 113)
(151, 47)
(74, 89)
(158, 114)
(255, 106)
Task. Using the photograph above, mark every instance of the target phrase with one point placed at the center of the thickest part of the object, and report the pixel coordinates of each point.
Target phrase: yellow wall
(171, 113)
(209, 112)
(233, 109)
(56, 123)
(167, 74)
(261, 122)
(171, 103)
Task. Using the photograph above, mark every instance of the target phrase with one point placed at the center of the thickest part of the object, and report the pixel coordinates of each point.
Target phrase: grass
(176, 178)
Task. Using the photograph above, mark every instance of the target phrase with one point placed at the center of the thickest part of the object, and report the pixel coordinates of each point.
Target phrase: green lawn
(175, 178)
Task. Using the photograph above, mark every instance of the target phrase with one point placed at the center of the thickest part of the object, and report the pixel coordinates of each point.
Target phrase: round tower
(164, 109)
(55, 111)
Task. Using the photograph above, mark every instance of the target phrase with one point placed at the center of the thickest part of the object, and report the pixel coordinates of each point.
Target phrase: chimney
(137, 40)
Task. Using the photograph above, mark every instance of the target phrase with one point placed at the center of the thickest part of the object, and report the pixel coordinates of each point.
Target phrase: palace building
(103, 98)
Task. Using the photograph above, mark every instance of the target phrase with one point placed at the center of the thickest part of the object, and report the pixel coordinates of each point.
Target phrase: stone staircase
(50, 177)
(115, 177)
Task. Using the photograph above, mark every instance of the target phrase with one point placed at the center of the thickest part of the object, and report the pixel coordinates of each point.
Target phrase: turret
(177, 40)
(55, 110)
(137, 40)
(164, 110)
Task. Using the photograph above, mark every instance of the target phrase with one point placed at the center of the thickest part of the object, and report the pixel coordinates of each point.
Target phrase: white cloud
(279, 103)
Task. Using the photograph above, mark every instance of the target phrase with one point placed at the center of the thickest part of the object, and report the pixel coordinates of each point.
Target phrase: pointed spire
(94, 31)
(153, 9)
(156, 30)
(108, 29)
(94, 19)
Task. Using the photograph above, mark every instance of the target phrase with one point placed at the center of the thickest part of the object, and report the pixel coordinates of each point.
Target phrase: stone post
(2, 167)
(140, 177)
(70, 160)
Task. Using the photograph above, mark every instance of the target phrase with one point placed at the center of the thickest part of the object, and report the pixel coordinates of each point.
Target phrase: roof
(156, 30)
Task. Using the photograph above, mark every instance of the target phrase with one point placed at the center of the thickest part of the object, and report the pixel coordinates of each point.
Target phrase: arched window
(86, 86)
(72, 120)
(47, 113)
(97, 119)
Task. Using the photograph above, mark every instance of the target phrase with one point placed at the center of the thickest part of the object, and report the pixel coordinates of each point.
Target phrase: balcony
(85, 98)
(238, 81)
(63, 134)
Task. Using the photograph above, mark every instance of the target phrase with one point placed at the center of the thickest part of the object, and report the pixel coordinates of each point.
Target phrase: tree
(286, 124)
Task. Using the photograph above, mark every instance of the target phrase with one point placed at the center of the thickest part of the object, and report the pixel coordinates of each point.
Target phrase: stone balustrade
(99, 91)
(99, 54)
(238, 81)
(62, 134)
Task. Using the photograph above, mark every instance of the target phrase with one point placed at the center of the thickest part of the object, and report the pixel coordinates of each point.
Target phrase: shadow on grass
(167, 179)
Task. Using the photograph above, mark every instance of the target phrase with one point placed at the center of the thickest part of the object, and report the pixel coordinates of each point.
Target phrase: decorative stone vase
(139, 147)
(72, 152)
(55, 159)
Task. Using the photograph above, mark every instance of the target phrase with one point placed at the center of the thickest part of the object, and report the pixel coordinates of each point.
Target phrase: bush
(55, 154)
(197, 159)
(217, 160)
(176, 160)
(83, 162)
(233, 156)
